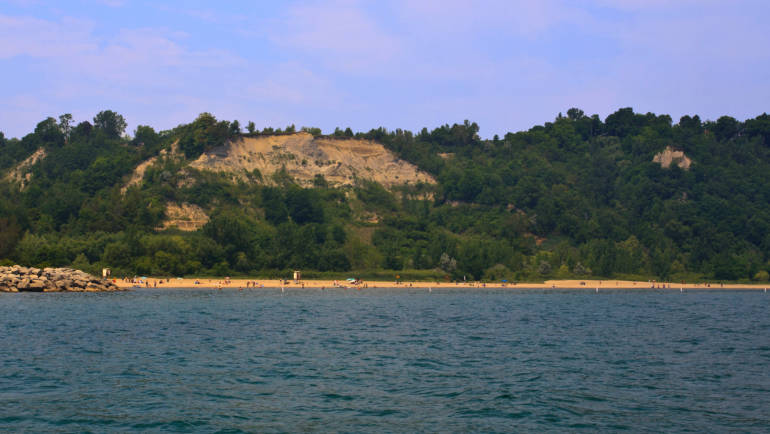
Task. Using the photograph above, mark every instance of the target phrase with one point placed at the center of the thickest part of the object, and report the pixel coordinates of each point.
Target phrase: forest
(578, 197)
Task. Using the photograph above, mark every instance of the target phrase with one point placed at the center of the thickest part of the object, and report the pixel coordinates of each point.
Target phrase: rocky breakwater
(20, 279)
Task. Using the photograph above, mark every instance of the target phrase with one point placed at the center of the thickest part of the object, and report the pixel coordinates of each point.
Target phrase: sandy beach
(223, 283)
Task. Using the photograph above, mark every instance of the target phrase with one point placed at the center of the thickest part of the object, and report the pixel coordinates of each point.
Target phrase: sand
(340, 161)
(549, 284)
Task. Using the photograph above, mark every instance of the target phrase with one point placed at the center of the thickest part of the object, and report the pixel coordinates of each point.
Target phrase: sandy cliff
(339, 161)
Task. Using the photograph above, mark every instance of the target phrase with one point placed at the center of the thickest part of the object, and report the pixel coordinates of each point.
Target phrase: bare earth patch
(138, 174)
(339, 161)
(21, 172)
(669, 156)
(184, 216)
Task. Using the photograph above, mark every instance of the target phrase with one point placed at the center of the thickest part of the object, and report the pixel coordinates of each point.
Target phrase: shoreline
(223, 283)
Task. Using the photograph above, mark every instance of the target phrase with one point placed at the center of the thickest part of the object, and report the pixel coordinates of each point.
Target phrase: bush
(497, 272)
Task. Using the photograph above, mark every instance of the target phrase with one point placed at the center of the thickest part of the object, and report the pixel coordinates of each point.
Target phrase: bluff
(634, 195)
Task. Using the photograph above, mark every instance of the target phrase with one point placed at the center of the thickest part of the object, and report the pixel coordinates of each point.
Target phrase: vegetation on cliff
(576, 197)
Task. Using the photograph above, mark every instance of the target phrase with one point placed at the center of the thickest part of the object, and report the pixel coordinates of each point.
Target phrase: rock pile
(18, 278)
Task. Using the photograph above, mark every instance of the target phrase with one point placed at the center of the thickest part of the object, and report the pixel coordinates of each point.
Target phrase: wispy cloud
(507, 64)
(42, 38)
(341, 34)
(112, 3)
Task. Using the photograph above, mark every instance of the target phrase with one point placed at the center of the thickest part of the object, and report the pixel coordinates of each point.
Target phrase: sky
(506, 64)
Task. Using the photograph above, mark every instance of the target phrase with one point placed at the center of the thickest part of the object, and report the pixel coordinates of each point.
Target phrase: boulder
(36, 285)
(17, 278)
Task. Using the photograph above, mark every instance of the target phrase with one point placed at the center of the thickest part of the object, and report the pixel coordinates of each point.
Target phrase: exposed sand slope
(339, 161)
(20, 173)
(185, 216)
(138, 174)
(669, 156)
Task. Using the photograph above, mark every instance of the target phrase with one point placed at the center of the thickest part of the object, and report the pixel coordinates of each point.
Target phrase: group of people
(144, 282)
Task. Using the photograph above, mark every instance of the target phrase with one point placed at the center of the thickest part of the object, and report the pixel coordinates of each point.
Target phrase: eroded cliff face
(669, 156)
(339, 161)
(20, 173)
(184, 216)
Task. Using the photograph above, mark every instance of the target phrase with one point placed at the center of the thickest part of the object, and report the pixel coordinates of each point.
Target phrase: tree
(726, 128)
(447, 263)
(274, 206)
(112, 124)
(304, 206)
(622, 123)
(235, 128)
(146, 136)
(10, 234)
(82, 130)
(575, 114)
(250, 127)
(203, 134)
(65, 125)
(315, 131)
(49, 133)
(319, 181)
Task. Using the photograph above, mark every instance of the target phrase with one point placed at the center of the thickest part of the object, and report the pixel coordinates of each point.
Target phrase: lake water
(385, 360)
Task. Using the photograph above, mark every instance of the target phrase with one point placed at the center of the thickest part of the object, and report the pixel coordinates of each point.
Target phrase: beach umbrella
(504, 280)
(144, 278)
(350, 279)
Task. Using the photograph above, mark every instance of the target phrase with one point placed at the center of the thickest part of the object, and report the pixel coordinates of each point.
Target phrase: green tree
(65, 125)
(110, 123)
(145, 136)
(49, 134)
(235, 128)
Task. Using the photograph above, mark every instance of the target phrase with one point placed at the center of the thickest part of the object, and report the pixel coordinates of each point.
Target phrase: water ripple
(453, 360)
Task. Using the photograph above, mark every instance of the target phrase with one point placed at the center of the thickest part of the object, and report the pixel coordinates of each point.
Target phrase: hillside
(633, 195)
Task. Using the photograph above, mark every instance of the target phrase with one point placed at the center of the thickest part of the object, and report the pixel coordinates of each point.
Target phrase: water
(379, 360)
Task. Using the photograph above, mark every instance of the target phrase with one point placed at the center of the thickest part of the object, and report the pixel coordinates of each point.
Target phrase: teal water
(451, 360)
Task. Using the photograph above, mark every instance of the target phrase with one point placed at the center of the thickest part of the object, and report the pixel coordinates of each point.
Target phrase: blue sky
(507, 65)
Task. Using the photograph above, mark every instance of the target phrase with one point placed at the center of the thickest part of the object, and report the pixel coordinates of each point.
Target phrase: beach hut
(297, 275)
